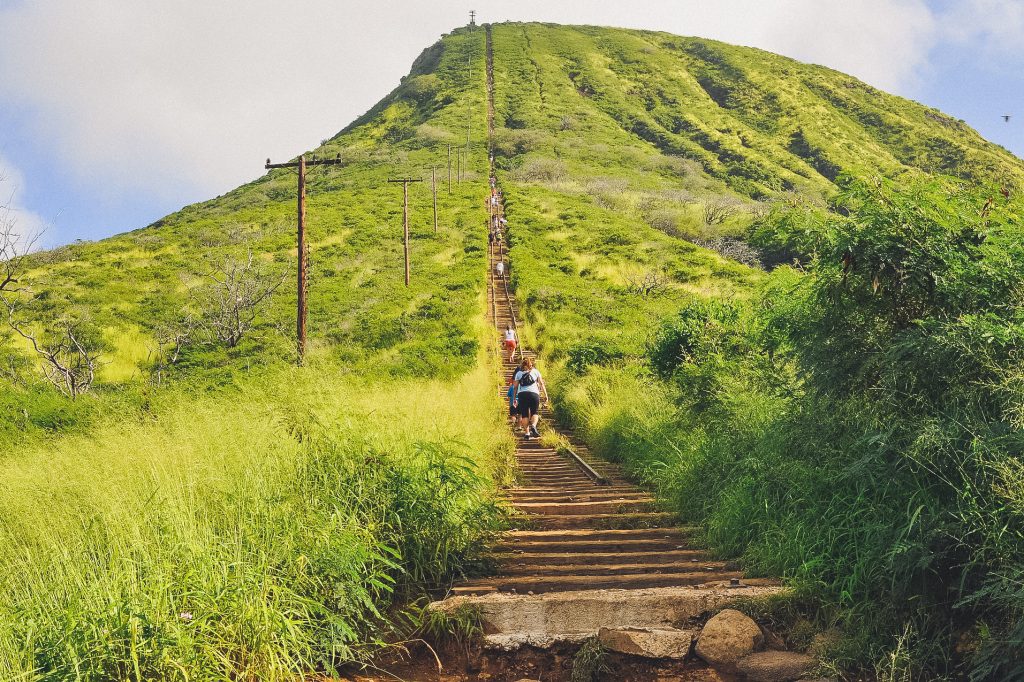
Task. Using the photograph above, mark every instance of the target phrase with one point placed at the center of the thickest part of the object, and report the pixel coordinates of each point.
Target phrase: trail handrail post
(302, 283)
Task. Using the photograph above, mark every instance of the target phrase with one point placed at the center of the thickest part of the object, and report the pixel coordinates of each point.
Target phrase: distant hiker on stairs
(510, 343)
(529, 384)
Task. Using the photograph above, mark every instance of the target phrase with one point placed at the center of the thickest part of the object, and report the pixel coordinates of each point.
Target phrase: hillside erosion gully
(591, 555)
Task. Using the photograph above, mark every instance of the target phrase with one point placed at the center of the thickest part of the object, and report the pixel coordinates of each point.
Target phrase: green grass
(243, 518)
(246, 519)
(870, 498)
(260, 546)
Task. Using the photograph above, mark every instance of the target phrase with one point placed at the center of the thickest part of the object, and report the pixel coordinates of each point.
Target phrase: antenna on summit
(472, 17)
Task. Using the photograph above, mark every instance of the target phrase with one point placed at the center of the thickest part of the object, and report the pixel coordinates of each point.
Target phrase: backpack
(527, 379)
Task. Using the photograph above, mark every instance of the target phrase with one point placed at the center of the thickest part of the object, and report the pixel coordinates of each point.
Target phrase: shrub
(699, 330)
(585, 354)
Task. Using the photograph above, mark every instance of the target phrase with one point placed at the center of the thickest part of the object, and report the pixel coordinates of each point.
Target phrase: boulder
(775, 666)
(727, 637)
(647, 642)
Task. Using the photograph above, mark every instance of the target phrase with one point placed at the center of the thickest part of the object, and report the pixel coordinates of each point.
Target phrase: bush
(698, 331)
(591, 352)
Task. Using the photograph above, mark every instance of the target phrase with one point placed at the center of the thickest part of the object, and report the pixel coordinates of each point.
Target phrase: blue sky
(115, 113)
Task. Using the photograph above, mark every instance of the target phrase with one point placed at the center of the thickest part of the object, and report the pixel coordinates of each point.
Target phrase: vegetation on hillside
(851, 420)
(851, 423)
(206, 510)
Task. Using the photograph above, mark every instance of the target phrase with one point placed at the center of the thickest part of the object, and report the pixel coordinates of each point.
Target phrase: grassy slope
(248, 519)
(610, 142)
(361, 314)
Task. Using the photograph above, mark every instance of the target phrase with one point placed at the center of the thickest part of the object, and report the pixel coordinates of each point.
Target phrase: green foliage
(861, 432)
(700, 329)
(589, 664)
(240, 518)
(263, 546)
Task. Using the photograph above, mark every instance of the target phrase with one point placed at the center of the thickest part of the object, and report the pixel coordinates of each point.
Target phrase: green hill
(649, 179)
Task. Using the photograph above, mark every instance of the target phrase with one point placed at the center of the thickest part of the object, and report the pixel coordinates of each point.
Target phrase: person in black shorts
(529, 385)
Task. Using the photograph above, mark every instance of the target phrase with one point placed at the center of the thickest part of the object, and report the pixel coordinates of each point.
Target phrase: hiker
(511, 392)
(500, 268)
(529, 384)
(490, 238)
(510, 343)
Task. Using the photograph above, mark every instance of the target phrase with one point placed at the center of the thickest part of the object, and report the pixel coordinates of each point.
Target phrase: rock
(775, 666)
(648, 642)
(728, 637)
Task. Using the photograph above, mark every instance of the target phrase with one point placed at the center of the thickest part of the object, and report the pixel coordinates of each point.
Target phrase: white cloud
(28, 227)
(994, 26)
(190, 97)
(181, 100)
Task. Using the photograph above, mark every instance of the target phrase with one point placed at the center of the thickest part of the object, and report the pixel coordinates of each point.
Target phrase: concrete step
(587, 611)
(568, 583)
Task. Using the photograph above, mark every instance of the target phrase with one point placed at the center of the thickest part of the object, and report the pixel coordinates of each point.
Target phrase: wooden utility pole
(433, 187)
(405, 219)
(301, 309)
(449, 169)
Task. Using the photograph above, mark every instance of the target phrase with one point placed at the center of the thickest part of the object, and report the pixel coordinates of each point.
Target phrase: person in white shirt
(510, 342)
(500, 268)
(529, 384)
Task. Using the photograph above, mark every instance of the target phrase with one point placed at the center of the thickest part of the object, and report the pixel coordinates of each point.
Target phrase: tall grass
(856, 429)
(256, 535)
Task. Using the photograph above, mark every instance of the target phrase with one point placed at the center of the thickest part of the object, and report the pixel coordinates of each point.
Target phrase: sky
(114, 113)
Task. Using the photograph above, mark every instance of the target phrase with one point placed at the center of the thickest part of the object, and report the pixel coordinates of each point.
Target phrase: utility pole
(449, 169)
(472, 17)
(469, 110)
(433, 187)
(301, 310)
(405, 219)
